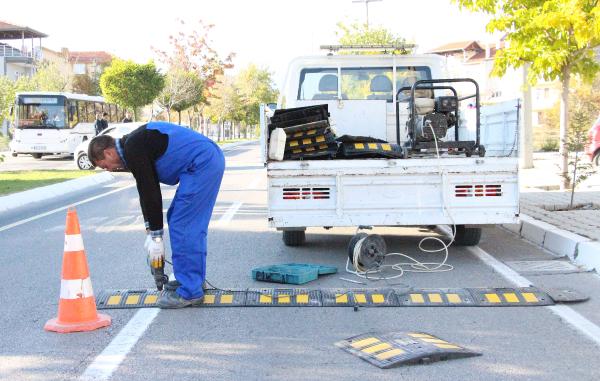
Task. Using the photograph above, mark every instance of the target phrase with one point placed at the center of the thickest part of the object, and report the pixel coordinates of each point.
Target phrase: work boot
(173, 284)
(171, 299)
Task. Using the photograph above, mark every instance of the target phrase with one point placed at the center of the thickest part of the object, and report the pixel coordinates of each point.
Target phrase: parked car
(115, 130)
(592, 148)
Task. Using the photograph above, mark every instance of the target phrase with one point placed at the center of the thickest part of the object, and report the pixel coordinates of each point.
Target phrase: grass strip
(18, 181)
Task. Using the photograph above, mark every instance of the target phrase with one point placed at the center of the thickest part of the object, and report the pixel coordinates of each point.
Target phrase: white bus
(49, 123)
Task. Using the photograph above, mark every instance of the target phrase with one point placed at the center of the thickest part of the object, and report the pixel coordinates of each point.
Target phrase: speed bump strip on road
(387, 350)
(506, 297)
(283, 297)
(370, 297)
(342, 297)
(442, 297)
(113, 299)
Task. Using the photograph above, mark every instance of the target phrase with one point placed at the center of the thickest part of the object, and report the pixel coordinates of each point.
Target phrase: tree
(192, 52)
(84, 84)
(255, 87)
(182, 90)
(556, 37)
(361, 34)
(225, 103)
(48, 78)
(131, 85)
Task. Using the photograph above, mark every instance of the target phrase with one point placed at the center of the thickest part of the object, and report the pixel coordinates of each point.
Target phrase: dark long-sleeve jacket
(141, 149)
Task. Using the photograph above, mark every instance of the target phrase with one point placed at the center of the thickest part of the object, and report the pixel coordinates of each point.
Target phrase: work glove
(156, 252)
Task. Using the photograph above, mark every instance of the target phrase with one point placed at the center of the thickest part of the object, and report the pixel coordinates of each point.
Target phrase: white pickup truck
(450, 171)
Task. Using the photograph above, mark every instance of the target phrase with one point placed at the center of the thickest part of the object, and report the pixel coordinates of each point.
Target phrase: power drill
(157, 269)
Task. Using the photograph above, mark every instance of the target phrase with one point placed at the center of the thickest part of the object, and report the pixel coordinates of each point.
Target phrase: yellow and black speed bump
(318, 125)
(506, 297)
(368, 149)
(443, 297)
(387, 350)
(371, 297)
(126, 298)
(307, 142)
(283, 297)
(346, 297)
(308, 133)
(225, 298)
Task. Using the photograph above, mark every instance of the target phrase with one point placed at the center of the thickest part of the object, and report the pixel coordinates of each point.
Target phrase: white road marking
(567, 314)
(226, 218)
(37, 217)
(111, 357)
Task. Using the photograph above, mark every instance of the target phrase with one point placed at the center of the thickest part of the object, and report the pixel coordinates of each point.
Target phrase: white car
(116, 130)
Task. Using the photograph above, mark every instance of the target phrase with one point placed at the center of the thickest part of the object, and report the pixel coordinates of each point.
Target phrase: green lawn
(234, 141)
(17, 181)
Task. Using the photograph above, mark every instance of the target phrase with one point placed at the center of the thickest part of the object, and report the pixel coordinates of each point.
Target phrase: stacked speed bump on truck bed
(308, 132)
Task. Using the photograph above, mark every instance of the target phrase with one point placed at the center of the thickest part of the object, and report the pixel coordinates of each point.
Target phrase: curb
(48, 192)
(580, 250)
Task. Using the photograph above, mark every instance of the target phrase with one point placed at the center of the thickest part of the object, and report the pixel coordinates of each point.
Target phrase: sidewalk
(573, 233)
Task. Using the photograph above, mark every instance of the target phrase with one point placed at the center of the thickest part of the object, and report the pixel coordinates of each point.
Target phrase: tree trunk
(169, 115)
(179, 117)
(564, 128)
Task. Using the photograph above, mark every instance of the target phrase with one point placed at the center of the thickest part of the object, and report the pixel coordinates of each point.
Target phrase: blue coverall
(197, 164)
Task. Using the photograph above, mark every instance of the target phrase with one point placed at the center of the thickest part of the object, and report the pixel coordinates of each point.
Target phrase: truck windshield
(41, 112)
(360, 83)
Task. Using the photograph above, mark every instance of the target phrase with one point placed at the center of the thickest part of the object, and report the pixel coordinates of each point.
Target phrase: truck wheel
(14, 154)
(467, 236)
(596, 160)
(36, 155)
(294, 237)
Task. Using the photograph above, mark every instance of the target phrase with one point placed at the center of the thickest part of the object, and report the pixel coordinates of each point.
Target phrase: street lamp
(366, 6)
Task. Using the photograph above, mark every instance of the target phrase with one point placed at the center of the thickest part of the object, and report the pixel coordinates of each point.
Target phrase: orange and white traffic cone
(77, 305)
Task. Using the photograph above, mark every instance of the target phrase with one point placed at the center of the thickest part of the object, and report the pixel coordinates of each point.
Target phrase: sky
(268, 33)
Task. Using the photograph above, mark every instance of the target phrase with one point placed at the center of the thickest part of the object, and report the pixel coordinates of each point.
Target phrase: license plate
(39, 148)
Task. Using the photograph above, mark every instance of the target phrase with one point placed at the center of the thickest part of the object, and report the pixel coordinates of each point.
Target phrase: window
(367, 83)
(318, 84)
(73, 114)
(406, 76)
(79, 69)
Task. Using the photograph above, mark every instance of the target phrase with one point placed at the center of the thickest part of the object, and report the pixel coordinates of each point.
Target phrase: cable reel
(367, 252)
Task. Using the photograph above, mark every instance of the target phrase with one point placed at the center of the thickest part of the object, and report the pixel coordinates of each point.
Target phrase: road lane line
(111, 357)
(37, 217)
(567, 314)
(226, 218)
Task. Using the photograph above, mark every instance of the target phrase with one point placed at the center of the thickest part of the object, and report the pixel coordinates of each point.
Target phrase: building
(475, 60)
(20, 50)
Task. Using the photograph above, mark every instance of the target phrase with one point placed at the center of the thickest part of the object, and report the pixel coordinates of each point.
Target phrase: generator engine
(440, 120)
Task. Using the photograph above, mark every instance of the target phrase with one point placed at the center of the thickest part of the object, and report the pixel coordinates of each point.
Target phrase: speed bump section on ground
(440, 297)
(283, 297)
(503, 297)
(119, 299)
(387, 350)
(347, 297)
(235, 297)
(368, 297)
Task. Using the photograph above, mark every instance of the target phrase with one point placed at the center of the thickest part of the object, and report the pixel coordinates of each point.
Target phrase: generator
(431, 116)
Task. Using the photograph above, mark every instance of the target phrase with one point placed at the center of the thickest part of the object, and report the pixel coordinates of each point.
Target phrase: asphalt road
(27, 162)
(517, 343)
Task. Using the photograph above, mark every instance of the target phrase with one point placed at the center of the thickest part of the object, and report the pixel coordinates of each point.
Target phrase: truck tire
(36, 155)
(294, 237)
(467, 236)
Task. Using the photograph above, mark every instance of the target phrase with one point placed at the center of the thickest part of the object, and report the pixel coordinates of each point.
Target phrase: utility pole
(366, 6)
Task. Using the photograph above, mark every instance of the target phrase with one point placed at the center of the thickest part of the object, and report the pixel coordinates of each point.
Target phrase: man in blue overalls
(160, 152)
